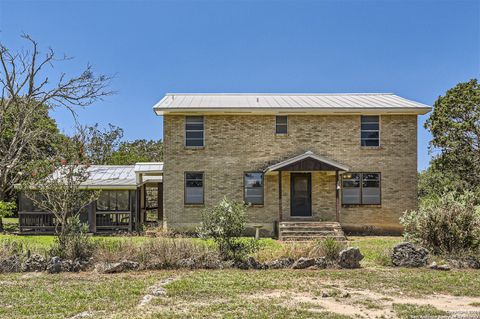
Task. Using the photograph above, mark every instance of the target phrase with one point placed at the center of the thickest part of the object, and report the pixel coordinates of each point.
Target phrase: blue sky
(416, 49)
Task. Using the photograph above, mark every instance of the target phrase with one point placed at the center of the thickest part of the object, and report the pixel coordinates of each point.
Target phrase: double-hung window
(194, 188)
(370, 130)
(281, 124)
(361, 189)
(253, 183)
(194, 131)
(117, 200)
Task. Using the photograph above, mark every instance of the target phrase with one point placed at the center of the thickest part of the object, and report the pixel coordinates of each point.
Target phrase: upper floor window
(361, 189)
(194, 188)
(370, 130)
(281, 124)
(113, 201)
(253, 183)
(194, 131)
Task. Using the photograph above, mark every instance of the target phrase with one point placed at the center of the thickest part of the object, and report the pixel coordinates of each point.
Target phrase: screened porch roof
(307, 161)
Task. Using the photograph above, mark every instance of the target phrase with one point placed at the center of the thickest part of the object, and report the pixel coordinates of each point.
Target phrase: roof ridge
(277, 94)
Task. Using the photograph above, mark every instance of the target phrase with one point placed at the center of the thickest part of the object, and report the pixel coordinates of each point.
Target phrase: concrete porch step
(310, 230)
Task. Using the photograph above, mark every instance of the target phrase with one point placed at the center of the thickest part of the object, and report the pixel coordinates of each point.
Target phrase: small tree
(447, 225)
(60, 192)
(6, 209)
(225, 224)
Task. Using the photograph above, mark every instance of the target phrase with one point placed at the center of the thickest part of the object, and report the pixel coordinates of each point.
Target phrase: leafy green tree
(455, 126)
(131, 152)
(99, 144)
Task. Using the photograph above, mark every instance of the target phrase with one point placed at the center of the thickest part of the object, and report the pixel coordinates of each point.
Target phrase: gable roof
(308, 159)
(288, 103)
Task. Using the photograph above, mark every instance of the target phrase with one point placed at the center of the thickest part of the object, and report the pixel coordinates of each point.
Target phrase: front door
(301, 195)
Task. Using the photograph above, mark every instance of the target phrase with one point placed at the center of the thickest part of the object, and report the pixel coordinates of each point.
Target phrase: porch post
(337, 197)
(280, 215)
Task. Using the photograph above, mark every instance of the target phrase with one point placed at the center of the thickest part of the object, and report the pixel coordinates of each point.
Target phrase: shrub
(160, 253)
(328, 248)
(225, 224)
(74, 242)
(6, 209)
(450, 224)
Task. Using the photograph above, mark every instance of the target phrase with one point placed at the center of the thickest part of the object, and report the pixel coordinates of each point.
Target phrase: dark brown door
(301, 195)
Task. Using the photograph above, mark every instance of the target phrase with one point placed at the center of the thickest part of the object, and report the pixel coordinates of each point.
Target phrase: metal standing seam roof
(321, 102)
(117, 176)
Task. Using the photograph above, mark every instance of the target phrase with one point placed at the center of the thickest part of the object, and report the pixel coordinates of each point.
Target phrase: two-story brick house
(347, 158)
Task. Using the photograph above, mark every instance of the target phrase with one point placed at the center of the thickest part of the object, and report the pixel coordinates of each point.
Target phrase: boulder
(10, 264)
(280, 263)
(303, 263)
(34, 263)
(407, 255)
(434, 266)
(350, 258)
(116, 267)
(321, 263)
(467, 262)
(55, 265)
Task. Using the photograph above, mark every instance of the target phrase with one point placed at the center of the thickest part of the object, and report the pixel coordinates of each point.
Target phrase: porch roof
(307, 161)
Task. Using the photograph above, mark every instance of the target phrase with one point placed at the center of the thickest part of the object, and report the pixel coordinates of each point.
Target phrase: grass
(229, 293)
(219, 294)
(8, 220)
(414, 311)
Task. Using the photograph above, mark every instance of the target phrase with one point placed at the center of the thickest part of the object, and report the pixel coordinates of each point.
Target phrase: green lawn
(10, 220)
(373, 291)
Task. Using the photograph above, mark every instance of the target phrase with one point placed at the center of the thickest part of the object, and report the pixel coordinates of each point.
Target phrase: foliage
(328, 248)
(159, 253)
(28, 93)
(448, 225)
(455, 127)
(225, 223)
(99, 144)
(74, 242)
(6, 209)
(131, 152)
(432, 184)
(56, 188)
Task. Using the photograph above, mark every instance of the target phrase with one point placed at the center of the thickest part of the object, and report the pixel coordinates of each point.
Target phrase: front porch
(308, 197)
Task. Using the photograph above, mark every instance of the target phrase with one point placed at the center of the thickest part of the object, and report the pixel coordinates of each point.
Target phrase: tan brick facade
(235, 144)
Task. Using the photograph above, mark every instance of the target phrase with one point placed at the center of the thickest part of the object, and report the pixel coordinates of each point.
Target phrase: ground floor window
(253, 183)
(361, 189)
(194, 188)
(113, 200)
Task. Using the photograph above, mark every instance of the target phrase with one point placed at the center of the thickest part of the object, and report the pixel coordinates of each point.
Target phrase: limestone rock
(350, 258)
(407, 255)
(303, 263)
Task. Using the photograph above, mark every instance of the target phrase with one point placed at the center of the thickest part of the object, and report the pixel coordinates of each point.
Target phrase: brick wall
(235, 144)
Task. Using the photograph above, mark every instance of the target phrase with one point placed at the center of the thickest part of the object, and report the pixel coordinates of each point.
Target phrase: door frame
(309, 186)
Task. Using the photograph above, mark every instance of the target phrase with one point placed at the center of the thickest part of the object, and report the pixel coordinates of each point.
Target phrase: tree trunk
(1, 225)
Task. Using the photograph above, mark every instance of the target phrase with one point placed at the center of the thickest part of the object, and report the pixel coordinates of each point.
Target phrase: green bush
(74, 242)
(447, 225)
(328, 248)
(225, 224)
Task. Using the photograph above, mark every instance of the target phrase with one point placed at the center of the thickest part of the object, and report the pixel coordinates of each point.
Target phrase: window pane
(281, 124)
(191, 142)
(194, 131)
(370, 131)
(194, 195)
(370, 135)
(371, 196)
(254, 188)
(102, 201)
(122, 200)
(370, 142)
(351, 180)
(194, 188)
(253, 179)
(254, 195)
(195, 135)
(351, 196)
(370, 118)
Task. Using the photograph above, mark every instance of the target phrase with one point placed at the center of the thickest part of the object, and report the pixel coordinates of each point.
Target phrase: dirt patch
(364, 303)
(156, 291)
